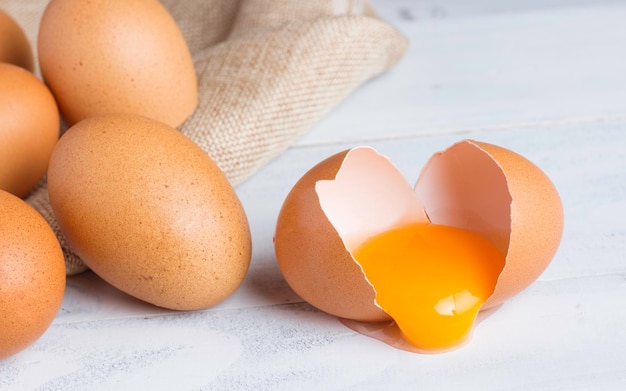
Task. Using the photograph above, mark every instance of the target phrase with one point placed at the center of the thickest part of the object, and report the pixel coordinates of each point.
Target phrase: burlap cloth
(267, 71)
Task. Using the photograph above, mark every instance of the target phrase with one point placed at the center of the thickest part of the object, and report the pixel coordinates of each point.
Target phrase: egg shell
(312, 257)
(32, 275)
(501, 196)
(356, 194)
(149, 211)
(105, 56)
(313, 253)
(14, 46)
(29, 129)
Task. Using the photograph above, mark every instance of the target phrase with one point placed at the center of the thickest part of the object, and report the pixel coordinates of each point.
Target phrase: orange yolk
(432, 280)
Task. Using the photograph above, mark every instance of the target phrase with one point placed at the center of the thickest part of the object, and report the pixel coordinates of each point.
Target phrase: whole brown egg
(14, 46)
(29, 129)
(101, 57)
(149, 211)
(32, 275)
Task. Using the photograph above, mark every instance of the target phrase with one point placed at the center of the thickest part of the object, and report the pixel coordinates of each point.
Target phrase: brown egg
(103, 57)
(32, 275)
(149, 211)
(14, 46)
(490, 192)
(29, 129)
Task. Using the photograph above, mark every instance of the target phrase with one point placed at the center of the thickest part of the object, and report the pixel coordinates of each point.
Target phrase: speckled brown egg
(149, 211)
(14, 46)
(29, 129)
(105, 56)
(32, 275)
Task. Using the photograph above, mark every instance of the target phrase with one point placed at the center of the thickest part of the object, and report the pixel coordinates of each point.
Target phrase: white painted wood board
(543, 78)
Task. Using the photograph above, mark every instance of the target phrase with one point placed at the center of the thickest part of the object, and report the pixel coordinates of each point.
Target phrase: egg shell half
(129, 56)
(32, 275)
(148, 211)
(501, 196)
(310, 252)
(358, 193)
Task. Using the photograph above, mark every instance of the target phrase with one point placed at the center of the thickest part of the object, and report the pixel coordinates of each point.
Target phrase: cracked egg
(413, 266)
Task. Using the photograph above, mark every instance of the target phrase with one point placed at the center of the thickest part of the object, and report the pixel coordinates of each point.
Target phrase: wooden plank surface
(491, 71)
(543, 78)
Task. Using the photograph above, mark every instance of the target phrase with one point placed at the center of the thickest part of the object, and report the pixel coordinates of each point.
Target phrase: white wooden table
(544, 78)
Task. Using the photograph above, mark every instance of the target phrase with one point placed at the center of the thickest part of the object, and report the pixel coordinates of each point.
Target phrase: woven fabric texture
(267, 70)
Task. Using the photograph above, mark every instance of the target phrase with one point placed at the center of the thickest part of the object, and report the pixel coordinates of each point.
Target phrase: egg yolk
(432, 280)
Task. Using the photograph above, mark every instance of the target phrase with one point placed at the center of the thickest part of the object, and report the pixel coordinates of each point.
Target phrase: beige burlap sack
(267, 70)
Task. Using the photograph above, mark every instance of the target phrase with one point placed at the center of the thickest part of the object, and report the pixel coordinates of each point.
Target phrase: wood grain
(543, 78)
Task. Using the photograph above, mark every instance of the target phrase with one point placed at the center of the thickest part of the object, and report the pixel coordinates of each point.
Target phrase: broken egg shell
(312, 257)
(337, 204)
(501, 196)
